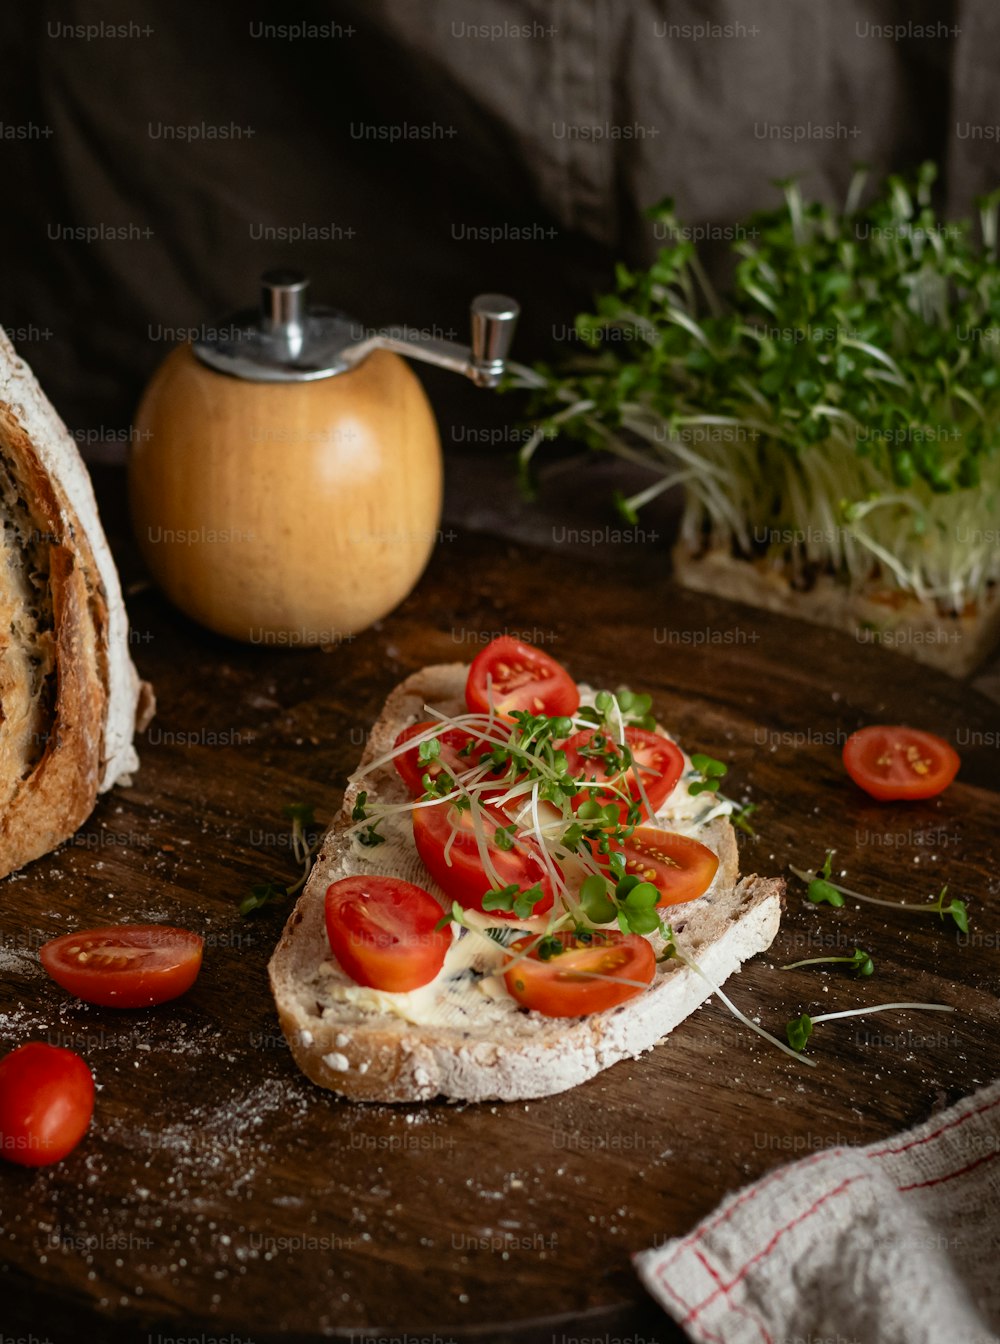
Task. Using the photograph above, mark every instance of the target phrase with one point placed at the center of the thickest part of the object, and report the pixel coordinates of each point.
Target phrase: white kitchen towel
(897, 1243)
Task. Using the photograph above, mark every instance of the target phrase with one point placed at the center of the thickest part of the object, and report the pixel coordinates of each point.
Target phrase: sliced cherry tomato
(592, 755)
(680, 867)
(521, 678)
(460, 751)
(891, 762)
(566, 985)
(456, 865)
(125, 965)
(384, 933)
(46, 1101)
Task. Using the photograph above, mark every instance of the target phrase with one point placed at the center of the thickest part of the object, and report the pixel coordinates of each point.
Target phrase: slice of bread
(452, 1039)
(69, 694)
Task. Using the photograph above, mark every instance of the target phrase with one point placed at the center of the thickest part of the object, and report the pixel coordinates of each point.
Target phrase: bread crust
(388, 1059)
(64, 739)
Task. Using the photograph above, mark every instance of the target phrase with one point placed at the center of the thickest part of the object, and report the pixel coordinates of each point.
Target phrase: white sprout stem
(620, 721)
(548, 862)
(884, 1008)
(522, 375)
(917, 549)
(816, 961)
(742, 1017)
(480, 837)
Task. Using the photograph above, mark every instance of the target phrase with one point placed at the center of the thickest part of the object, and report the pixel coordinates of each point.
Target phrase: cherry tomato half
(125, 965)
(383, 932)
(567, 984)
(521, 678)
(680, 867)
(456, 865)
(892, 762)
(460, 751)
(46, 1101)
(592, 755)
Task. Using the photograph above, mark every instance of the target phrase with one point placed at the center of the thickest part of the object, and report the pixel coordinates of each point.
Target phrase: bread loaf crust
(388, 1059)
(68, 689)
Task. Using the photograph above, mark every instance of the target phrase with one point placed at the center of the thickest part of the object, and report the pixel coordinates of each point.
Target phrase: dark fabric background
(402, 217)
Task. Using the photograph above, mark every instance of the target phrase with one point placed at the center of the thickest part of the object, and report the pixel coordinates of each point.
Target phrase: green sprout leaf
(303, 813)
(821, 892)
(503, 837)
(512, 898)
(262, 894)
(711, 771)
(798, 1031)
(955, 909)
(708, 766)
(642, 896)
(368, 835)
(550, 947)
(741, 818)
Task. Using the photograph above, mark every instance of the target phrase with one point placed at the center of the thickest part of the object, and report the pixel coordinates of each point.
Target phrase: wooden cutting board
(219, 1192)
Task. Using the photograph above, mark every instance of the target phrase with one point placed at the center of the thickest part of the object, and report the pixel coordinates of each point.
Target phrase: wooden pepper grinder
(285, 475)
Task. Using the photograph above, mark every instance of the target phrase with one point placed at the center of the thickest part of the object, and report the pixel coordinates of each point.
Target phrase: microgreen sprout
(456, 915)
(303, 817)
(740, 817)
(550, 947)
(711, 773)
(369, 834)
(820, 889)
(799, 1029)
(262, 894)
(672, 950)
(429, 750)
(822, 415)
(860, 962)
(435, 786)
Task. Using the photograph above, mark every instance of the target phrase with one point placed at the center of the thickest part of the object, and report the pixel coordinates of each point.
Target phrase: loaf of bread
(69, 693)
(450, 1039)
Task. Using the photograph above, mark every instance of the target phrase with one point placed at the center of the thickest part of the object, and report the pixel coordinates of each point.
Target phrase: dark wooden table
(219, 1192)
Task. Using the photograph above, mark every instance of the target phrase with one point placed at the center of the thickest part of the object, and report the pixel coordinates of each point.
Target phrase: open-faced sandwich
(528, 882)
